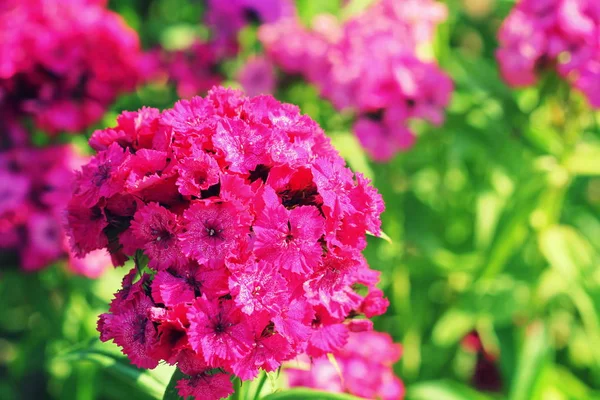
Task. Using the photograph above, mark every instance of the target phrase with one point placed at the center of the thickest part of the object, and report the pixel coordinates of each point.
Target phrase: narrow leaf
(120, 368)
(305, 393)
(171, 390)
(532, 359)
(443, 390)
(381, 235)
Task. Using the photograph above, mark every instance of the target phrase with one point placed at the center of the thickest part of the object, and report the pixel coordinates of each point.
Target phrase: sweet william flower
(252, 227)
(36, 186)
(156, 230)
(370, 65)
(64, 62)
(552, 35)
(365, 368)
(257, 76)
(289, 238)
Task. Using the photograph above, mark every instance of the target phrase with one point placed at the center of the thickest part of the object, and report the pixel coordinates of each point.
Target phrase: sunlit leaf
(119, 367)
(452, 327)
(304, 393)
(443, 390)
(349, 147)
(585, 160)
(308, 9)
(534, 356)
(566, 250)
(171, 390)
(382, 235)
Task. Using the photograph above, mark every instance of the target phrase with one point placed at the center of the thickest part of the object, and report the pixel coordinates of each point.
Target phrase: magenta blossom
(36, 186)
(227, 18)
(253, 229)
(369, 64)
(558, 35)
(365, 364)
(257, 76)
(64, 62)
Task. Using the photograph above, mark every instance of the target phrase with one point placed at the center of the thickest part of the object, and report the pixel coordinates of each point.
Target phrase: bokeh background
(492, 264)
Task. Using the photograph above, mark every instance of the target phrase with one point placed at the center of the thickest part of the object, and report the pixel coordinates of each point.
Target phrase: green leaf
(452, 327)
(179, 37)
(349, 147)
(585, 160)
(566, 250)
(305, 393)
(489, 207)
(499, 299)
(171, 390)
(120, 367)
(443, 390)
(534, 356)
(569, 384)
(258, 385)
(308, 9)
(513, 228)
(355, 7)
(382, 235)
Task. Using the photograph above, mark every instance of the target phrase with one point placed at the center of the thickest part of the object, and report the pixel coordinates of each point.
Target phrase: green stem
(261, 384)
(238, 390)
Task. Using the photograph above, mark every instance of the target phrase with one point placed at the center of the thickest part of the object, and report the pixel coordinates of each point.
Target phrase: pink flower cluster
(257, 76)
(553, 34)
(196, 69)
(369, 64)
(193, 71)
(62, 62)
(364, 368)
(36, 185)
(253, 230)
(227, 18)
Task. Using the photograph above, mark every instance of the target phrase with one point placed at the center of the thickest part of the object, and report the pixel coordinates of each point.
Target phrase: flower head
(557, 35)
(36, 186)
(370, 64)
(254, 259)
(365, 368)
(64, 62)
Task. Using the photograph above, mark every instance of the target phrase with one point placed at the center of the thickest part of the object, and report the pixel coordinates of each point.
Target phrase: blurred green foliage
(493, 219)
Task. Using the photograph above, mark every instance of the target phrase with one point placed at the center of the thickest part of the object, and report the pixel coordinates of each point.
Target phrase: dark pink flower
(212, 229)
(32, 207)
(289, 237)
(85, 228)
(156, 229)
(134, 130)
(365, 364)
(206, 385)
(64, 63)
(369, 65)
(218, 331)
(131, 328)
(252, 227)
(183, 284)
(196, 173)
(268, 351)
(14, 190)
(244, 147)
(257, 76)
(258, 286)
(103, 176)
(554, 35)
(328, 285)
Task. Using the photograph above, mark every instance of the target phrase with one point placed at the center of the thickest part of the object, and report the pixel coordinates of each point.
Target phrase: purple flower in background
(558, 35)
(369, 64)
